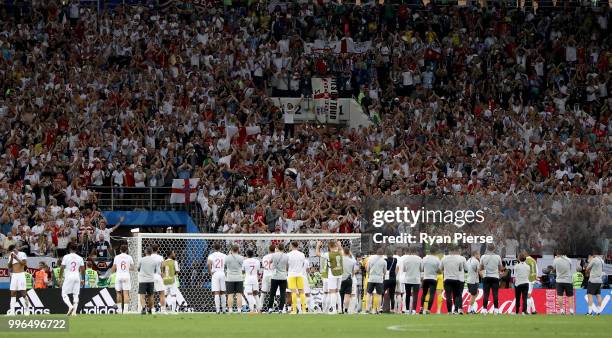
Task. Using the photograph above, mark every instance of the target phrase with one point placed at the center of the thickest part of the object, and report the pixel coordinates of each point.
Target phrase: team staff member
(376, 269)
(595, 270)
(431, 267)
(234, 284)
(410, 269)
(490, 267)
(346, 286)
(454, 266)
(563, 268)
(148, 267)
(473, 279)
(280, 264)
(390, 279)
(521, 283)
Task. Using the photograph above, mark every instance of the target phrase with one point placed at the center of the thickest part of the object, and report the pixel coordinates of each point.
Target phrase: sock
(126, 307)
(332, 301)
(217, 303)
(325, 304)
(530, 305)
(223, 303)
(303, 302)
(26, 306)
(339, 302)
(75, 302)
(13, 304)
(294, 299)
(260, 300)
(251, 301)
(67, 301)
(311, 305)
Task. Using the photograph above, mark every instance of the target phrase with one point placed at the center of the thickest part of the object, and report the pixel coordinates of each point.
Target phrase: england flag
(184, 190)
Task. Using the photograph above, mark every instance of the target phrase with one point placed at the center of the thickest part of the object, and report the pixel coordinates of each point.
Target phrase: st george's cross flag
(184, 190)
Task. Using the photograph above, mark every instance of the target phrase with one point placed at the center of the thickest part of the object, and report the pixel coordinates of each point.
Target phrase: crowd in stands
(463, 101)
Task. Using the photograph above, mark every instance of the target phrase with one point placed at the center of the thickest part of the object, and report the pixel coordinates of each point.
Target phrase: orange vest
(39, 279)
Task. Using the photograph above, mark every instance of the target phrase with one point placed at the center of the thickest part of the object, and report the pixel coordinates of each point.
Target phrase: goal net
(194, 280)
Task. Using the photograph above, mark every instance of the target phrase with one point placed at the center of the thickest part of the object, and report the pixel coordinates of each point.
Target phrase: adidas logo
(102, 303)
(36, 305)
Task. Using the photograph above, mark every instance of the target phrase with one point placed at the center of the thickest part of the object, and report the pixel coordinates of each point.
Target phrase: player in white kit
(122, 265)
(72, 276)
(216, 266)
(251, 266)
(158, 283)
(17, 265)
(400, 303)
(266, 263)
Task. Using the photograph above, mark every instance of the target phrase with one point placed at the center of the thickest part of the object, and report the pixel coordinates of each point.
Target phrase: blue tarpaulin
(136, 219)
(195, 248)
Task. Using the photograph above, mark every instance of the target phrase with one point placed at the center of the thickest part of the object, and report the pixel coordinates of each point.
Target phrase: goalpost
(192, 250)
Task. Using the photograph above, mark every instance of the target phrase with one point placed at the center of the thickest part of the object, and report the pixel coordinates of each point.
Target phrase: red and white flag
(184, 190)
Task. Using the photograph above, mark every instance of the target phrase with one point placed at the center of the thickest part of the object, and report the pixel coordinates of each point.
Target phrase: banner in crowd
(33, 263)
(325, 95)
(343, 46)
(509, 263)
(305, 108)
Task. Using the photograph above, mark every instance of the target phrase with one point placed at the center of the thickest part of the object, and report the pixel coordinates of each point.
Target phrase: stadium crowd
(464, 101)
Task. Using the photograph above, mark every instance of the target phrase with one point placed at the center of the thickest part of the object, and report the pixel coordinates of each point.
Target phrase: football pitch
(339, 326)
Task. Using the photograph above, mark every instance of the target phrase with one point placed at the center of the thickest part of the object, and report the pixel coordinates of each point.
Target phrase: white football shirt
(21, 255)
(159, 259)
(72, 264)
(123, 263)
(266, 262)
(251, 267)
(217, 261)
(296, 263)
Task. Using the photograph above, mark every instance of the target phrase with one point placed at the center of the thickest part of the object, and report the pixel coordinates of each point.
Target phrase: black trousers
(275, 284)
(520, 291)
(453, 290)
(390, 286)
(490, 284)
(429, 286)
(289, 130)
(412, 290)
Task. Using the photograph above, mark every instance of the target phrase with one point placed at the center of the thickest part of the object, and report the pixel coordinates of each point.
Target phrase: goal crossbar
(247, 236)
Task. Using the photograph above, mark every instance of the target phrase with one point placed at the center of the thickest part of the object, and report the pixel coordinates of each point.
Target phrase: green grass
(326, 326)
